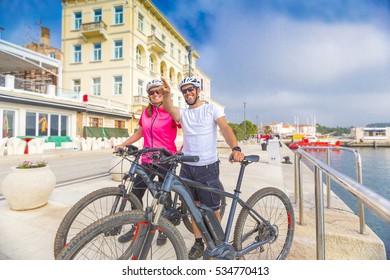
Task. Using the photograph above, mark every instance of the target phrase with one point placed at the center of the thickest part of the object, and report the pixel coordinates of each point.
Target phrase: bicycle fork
(146, 231)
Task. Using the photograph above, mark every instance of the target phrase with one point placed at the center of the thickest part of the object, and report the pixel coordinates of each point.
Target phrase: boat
(305, 142)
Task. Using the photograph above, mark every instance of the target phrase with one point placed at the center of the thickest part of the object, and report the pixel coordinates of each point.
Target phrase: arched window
(138, 56)
(151, 64)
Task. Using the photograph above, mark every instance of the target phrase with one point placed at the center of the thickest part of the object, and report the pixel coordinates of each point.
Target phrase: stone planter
(30, 188)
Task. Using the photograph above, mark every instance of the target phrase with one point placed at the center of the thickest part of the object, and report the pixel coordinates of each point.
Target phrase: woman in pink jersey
(159, 130)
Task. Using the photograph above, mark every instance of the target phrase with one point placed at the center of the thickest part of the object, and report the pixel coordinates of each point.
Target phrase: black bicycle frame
(178, 184)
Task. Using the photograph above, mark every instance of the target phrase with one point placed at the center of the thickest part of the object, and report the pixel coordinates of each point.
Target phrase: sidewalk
(29, 235)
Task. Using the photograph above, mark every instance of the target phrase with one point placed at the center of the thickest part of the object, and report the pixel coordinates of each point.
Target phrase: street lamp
(189, 50)
(257, 128)
(244, 121)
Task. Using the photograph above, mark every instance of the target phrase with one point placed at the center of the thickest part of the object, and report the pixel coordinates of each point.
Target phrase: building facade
(112, 49)
(371, 134)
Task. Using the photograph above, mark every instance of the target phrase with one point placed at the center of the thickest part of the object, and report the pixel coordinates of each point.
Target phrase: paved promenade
(29, 235)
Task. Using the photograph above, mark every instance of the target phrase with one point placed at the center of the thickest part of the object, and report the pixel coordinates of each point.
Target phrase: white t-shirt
(200, 132)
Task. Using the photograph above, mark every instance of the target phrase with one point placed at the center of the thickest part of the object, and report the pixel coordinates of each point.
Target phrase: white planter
(30, 188)
(118, 168)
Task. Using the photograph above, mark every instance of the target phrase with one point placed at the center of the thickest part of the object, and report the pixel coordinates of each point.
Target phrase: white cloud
(283, 67)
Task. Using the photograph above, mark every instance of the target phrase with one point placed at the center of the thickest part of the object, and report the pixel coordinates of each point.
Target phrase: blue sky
(283, 58)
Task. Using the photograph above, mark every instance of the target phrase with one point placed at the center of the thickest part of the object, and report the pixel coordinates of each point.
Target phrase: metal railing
(379, 205)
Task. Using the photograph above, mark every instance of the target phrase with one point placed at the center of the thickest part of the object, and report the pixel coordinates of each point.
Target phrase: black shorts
(207, 174)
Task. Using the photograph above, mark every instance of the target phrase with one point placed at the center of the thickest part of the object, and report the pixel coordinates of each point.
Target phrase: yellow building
(112, 49)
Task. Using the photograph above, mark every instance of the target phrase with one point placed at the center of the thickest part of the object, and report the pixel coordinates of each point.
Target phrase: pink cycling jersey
(159, 131)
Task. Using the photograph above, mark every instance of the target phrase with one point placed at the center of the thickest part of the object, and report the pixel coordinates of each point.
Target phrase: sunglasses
(152, 92)
(191, 89)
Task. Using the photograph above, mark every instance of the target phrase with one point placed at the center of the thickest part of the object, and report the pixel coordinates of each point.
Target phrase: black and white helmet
(189, 80)
(153, 83)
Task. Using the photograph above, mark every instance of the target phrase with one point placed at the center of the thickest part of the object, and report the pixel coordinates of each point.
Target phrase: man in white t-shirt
(199, 124)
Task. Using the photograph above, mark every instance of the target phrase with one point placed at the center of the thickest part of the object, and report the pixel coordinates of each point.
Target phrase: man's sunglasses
(191, 89)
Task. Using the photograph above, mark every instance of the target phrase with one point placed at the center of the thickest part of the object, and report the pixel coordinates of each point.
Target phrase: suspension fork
(153, 214)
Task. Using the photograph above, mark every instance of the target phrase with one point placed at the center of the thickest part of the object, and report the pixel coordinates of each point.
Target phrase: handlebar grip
(131, 148)
(189, 159)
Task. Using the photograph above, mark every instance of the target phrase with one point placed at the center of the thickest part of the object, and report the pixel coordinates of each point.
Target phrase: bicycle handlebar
(179, 157)
(131, 150)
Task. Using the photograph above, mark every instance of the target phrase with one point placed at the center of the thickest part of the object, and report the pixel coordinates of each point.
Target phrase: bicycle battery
(213, 225)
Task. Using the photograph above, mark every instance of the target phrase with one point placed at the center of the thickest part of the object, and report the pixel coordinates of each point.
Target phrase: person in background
(159, 130)
(200, 123)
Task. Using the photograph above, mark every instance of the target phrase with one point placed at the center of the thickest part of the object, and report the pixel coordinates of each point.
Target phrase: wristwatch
(236, 148)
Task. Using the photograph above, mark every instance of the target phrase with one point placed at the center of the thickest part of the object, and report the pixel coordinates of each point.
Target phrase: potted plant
(29, 185)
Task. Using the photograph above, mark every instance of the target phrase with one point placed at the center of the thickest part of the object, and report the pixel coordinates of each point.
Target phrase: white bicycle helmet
(153, 83)
(189, 80)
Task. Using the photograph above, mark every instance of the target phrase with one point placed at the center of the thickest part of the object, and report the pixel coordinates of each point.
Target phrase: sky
(268, 61)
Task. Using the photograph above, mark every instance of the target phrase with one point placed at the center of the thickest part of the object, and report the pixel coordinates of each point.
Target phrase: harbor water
(376, 176)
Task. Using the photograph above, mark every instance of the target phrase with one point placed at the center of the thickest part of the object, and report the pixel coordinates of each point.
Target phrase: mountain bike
(110, 200)
(264, 228)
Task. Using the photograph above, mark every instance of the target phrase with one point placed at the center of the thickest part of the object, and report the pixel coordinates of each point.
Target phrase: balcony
(156, 44)
(140, 100)
(96, 29)
(188, 70)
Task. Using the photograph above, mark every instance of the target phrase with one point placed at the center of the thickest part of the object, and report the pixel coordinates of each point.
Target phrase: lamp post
(189, 50)
(1, 30)
(257, 128)
(244, 121)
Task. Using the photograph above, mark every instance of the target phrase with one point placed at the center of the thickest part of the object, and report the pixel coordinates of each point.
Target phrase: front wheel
(275, 207)
(99, 241)
(89, 209)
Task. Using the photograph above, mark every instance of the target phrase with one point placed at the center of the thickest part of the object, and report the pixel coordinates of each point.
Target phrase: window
(179, 55)
(31, 120)
(119, 124)
(96, 86)
(77, 20)
(140, 87)
(8, 123)
(163, 38)
(52, 55)
(44, 124)
(172, 49)
(151, 64)
(64, 125)
(97, 52)
(153, 29)
(97, 15)
(77, 54)
(54, 125)
(77, 85)
(118, 85)
(118, 49)
(118, 15)
(95, 122)
(138, 56)
(141, 22)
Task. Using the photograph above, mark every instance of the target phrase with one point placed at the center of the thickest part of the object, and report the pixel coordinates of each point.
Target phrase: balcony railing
(140, 100)
(156, 44)
(110, 105)
(94, 29)
(188, 70)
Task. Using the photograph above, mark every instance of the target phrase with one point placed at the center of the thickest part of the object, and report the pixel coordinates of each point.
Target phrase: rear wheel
(275, 207)
(89, 209)
(99, 241)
